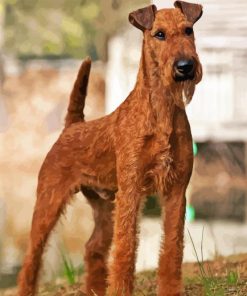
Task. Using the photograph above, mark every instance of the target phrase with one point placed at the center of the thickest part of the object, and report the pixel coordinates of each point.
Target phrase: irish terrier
(143, 147)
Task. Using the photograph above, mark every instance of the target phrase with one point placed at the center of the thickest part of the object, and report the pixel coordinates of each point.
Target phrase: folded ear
(192, 11)
(143, 18)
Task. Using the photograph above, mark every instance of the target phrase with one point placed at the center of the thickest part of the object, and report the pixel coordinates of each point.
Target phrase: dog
(143, 147)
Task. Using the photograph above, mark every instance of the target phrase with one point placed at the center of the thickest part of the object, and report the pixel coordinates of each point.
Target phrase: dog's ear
(192, 11)
(143, 18)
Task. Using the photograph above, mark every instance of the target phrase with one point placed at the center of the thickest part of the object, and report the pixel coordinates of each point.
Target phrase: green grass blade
(69, 270)
(200, 264)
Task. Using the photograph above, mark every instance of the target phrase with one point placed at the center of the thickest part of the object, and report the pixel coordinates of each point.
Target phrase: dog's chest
(168, 161)
(158, 164)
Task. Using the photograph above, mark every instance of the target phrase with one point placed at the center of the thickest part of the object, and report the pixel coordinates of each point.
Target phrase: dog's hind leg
(97, 248)
(50, 203)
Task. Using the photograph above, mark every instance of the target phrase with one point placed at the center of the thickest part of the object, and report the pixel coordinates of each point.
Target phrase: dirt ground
(222, 277)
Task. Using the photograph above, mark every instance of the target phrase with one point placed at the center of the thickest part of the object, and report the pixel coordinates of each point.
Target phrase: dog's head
(169, 46)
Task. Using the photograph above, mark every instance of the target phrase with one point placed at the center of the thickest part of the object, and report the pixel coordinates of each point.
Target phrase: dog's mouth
(186, 74)
(179, 77)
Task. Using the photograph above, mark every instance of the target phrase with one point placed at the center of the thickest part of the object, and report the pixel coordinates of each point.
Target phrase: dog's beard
(184, 93)
(188, 91)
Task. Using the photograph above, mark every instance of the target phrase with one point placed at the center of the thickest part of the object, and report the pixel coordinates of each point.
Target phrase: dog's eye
(160, 35)
(189, 31)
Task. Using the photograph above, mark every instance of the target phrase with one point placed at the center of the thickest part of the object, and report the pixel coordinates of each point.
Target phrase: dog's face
(169, 44)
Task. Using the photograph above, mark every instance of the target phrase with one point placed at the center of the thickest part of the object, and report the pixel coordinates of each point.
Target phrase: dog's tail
(78, 95)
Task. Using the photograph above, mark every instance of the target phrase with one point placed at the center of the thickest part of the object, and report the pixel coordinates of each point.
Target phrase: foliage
(74, 28)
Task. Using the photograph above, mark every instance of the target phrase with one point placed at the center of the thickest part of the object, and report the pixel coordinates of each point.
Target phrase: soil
(222, 277)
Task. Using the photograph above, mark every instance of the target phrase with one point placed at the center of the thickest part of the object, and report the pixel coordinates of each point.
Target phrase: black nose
(184, 69)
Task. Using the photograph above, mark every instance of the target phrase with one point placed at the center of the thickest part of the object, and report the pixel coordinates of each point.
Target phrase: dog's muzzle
(184, 69)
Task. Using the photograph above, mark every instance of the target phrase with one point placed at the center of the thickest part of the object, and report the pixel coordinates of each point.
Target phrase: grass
(213, 285)
(201, 279)
(70, 272)
(232, 277)
(224, 276)
(229, 272)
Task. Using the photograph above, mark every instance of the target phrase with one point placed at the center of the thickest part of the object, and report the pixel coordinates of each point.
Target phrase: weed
(232, 277)
(212, 285)
(69, 270)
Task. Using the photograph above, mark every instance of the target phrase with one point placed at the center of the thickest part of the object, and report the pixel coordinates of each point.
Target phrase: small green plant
(232, 278)
(69, 270)
(211, 284)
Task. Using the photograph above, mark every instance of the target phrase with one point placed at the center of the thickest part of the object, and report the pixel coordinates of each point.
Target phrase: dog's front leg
(169, 274)
(128, 200)
(173, 203)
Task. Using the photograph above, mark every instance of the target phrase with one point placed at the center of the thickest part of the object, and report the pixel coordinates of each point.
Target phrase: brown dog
(144, 147)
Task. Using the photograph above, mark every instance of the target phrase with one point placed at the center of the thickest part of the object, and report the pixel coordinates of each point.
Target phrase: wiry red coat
(143, 147)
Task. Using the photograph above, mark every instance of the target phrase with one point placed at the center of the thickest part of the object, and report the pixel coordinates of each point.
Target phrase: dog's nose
(184, 69)
(184, 66)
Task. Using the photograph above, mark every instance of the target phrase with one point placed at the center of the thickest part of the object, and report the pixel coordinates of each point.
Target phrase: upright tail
(78, 94)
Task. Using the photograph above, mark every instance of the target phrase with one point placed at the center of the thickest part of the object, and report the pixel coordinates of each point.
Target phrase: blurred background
(42, 44)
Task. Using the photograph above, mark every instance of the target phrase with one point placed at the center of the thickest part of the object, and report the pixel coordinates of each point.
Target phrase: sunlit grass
(214, 285)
